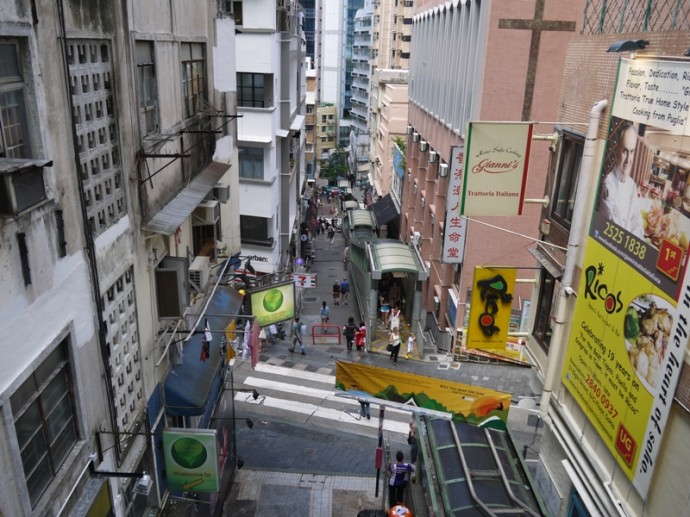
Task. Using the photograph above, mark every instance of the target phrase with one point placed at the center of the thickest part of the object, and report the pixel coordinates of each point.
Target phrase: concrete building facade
(271, 83)
(115, 131)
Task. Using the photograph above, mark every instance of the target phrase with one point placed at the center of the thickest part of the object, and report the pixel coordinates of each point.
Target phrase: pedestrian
(246, 343)
(385, 310)
(410, 347)
(345, 289)
(346, 255)
(361, 337)
(331, 233)
(325, 315)
(394, 343)
(397, 473)
(336, 293)
(349, 331)
(394, 320)
(297, 336)
(364, 408)
(412, 442)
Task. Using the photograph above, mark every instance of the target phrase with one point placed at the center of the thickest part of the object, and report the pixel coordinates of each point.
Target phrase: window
(24, 258)
(193, 78)
(254, 90)
(566, 178)
(61, 239)
(45, 421)
(548, 290)
(148, 93)
(254, 229)
(14, 133)
(251, 162)
(93, 94)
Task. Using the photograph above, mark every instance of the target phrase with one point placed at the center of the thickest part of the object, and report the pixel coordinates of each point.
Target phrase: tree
(337, 165)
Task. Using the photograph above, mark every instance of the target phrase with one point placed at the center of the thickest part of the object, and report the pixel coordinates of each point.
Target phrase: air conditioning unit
(199, 273)
(416, 238)
(437, 303)
(423, 202)
(443, 170)
(415, 137)
(221, 192)
(423, 145)
(433, 156)
(410, 129)
(208, 212)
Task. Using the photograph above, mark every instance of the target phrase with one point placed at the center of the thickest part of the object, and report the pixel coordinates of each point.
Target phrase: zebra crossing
(310, 397)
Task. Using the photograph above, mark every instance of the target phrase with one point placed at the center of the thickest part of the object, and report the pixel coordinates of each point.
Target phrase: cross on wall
(536, 25)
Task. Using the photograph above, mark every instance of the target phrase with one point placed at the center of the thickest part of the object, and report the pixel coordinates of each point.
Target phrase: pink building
(479, 61)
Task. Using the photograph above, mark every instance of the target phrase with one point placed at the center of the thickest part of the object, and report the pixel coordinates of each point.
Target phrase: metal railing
(617, 16)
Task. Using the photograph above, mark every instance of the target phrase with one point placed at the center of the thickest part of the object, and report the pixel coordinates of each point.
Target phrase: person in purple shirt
(397, 482)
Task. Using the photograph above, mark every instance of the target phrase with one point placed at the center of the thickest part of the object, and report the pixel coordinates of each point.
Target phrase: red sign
(670, 259)
(625, 444)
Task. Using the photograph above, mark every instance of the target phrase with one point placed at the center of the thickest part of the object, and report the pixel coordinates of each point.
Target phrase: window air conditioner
(443, 170)
(208, 212)
(221, 192)
(415, 137)
(437, 303)
(416, 238)
(410, 129)
(199, 273)
(423, 145)
(433, 156)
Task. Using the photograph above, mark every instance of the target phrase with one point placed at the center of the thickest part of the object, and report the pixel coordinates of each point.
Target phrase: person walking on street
(331, 233)
(361, 337)
(412, 442)
(297, 336)
(345, 289)
(325, 315)
(394, 342)
(410, 347)
(349, 330)
(336, 293)
(364, 408)
(397, 482)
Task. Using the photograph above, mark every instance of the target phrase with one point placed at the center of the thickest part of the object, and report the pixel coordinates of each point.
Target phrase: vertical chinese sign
(630, 326)
(455, 228)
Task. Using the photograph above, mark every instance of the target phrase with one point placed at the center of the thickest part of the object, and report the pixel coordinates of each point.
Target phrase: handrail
(314, 334)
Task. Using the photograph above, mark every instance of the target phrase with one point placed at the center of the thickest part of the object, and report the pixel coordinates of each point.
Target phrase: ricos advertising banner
(472, 404)
(496, 164)
(490, 308)
(191, 459)
(273, 303)
(630, 326)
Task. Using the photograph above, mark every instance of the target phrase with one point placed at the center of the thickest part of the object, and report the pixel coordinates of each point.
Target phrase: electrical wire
(530, 237)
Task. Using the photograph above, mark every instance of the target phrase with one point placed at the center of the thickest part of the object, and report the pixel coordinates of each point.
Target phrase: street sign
(307, 280)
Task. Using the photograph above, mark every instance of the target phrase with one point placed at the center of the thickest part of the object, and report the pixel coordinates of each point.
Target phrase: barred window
(148, 91)
(193, 78)
(14, 133)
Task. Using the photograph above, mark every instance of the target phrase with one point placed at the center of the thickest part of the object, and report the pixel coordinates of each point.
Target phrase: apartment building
(271, 97)
(117, 139)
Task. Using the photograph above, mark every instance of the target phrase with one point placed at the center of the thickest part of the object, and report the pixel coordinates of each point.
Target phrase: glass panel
(49, 366)
(27, 425)
(38, 480)
(23, 395)
(63, 444)
(13, 123)
(9, 62)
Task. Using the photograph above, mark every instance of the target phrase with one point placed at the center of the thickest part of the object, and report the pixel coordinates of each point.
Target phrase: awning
(192, 388)
(350, 205)
(477, 471)
(256, 139)
(10, 165)
(297, 123)
(550, 264)
(385, 210)
(390, 255)
(360, 217)
(169, 219)
(282, 133)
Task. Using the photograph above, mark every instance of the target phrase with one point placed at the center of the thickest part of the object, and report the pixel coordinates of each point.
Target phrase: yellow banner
(490, 308)
(625, 348)
(472, 404)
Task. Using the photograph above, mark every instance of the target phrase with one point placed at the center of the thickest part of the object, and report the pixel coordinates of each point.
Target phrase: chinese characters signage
(496, 168)
(630, 327)
(455, 228)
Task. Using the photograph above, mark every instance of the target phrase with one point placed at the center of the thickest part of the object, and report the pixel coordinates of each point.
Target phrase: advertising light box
(273, 303)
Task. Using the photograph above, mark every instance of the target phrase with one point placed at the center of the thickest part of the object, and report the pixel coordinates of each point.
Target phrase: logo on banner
(492, 291)
(490, 308)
